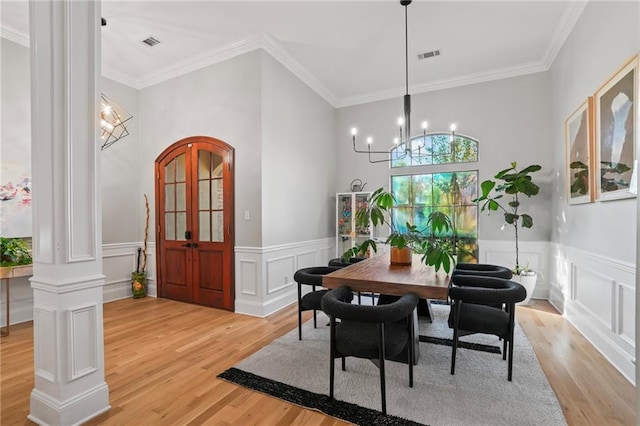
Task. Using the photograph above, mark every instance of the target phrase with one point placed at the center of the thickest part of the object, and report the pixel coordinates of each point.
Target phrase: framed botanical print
(579, 148)
(615, 113)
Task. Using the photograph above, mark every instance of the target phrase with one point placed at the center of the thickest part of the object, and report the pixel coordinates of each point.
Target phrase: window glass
(436, 148)
(450, 193)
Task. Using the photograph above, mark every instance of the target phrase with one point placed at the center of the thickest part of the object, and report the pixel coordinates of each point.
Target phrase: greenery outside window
(451, 193)
(438, 149)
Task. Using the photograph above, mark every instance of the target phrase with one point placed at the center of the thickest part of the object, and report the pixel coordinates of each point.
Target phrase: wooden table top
(377, 275)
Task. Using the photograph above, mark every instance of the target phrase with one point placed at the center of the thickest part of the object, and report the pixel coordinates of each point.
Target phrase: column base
(74, 411)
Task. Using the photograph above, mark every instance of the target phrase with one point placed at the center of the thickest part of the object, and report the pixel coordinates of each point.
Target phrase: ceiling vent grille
(150, 41)
(427, 55)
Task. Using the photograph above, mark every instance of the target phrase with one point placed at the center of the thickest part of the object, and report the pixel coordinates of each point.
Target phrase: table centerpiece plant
(436, 249)
(14, 252)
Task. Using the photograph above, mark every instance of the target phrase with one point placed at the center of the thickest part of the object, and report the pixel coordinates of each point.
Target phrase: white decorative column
(67, 273)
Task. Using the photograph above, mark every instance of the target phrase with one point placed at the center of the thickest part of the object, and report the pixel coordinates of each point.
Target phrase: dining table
(377, 275)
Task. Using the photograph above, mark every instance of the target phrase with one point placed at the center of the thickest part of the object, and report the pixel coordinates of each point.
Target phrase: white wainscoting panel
(271, 287)
(118, 261)
(45, 337)
(597, 295)
(535, 254)
(82, 328)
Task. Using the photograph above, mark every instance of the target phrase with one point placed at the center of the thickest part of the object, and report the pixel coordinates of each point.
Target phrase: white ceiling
(348, 51)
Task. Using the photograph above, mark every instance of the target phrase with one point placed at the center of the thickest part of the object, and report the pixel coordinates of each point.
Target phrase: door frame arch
(230, 159)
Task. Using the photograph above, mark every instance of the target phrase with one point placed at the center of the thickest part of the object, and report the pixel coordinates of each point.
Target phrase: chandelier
(403, 144)
(113, 119)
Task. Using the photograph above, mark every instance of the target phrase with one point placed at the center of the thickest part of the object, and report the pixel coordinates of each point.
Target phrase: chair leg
(359, 298)
(454, 346)
(332, 363)
(299, 312)
(381, 353)
(344, 364)
(504, 349)
(315, 320)
(510, 338)
(410, 351)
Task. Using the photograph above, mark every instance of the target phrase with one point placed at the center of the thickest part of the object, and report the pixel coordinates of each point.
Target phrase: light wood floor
(162, 359)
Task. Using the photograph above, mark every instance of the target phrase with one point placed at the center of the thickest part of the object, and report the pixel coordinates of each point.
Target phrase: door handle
(190, 245)
(194, 245)
(187, 245)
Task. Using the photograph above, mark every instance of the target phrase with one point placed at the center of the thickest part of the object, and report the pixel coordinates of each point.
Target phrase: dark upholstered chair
(369, 332)
(484, 270)
(310, 301)
(339, 262)
(470, 313)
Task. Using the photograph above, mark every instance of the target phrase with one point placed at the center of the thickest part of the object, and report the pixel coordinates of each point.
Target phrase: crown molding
(226, 52)
(448, 83)
(120, 77)
(568, 21)
(275, 49)
(13, 34)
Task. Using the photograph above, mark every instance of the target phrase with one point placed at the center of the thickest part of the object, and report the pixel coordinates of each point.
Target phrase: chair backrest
(483, 269)
(480, 289)
(313, 275)
(333, 305)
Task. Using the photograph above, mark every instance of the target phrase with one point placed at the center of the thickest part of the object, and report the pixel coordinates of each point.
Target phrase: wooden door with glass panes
(194, 205)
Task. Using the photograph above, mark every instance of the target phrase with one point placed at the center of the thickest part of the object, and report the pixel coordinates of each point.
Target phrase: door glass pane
(217, 226)
(180, 168)
(181, 196)
(204, 197)
(170, 197)
(170, 172)
(216, 194)
(216, 165)
(181, 226)
(205, 226)
(204, 164)
(170, 226)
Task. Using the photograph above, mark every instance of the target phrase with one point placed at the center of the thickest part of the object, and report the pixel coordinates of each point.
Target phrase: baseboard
(74, 411)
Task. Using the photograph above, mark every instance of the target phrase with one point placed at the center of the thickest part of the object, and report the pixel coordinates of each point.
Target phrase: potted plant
(435, 250)
(139, 277)
(14, 257)
(512, 184)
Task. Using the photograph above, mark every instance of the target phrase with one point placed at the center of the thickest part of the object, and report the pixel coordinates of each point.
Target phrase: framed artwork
(579, 148)
(615, 113)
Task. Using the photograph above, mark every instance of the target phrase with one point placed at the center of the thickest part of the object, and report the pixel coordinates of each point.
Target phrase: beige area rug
(478, 394)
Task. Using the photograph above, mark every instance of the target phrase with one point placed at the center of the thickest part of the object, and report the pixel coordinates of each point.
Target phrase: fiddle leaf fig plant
(14, 252)
(436, 249)
(512, 184)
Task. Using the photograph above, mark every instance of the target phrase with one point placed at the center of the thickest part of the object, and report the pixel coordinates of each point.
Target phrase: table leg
(5, 332)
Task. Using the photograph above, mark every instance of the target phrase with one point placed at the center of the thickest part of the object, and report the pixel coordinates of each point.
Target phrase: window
(451, 193)
(436, 148)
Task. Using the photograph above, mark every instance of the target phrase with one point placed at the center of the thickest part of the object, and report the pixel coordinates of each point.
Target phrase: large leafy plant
(14, 252)
(436, 250)
(512, 184)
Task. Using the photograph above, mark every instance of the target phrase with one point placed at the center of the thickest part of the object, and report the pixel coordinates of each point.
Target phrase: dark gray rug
(478, 394)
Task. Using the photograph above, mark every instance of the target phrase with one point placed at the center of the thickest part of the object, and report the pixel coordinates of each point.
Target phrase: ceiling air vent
(150, 41)
(427, 55)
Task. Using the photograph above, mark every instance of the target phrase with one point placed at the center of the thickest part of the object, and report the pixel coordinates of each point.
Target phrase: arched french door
(195, 233)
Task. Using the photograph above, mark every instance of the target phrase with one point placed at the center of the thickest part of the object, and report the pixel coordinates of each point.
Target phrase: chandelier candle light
(403, 142)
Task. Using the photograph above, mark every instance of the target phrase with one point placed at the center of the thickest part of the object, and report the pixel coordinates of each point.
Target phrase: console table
(6, 273)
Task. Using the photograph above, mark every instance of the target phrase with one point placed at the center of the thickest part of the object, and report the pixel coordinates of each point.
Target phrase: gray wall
(298, 159)
(15, 135)
(603, 39)
(509, 117)
(122, 199)
(220, 101)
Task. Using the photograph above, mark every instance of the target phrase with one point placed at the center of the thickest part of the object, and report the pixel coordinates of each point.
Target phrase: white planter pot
(528, 281)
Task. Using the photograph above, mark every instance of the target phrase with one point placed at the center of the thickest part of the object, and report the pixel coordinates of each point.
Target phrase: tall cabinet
(347, 233)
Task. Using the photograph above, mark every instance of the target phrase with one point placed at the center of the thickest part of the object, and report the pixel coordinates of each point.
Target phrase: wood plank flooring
(162, 358)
